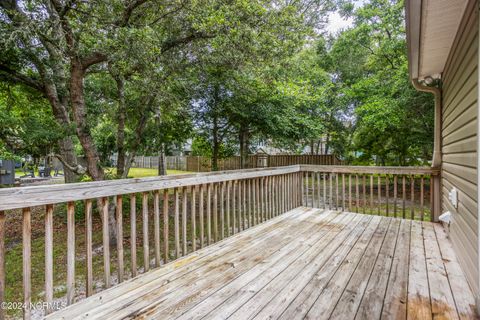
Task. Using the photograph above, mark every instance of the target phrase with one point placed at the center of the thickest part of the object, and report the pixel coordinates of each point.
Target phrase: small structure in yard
(7, 172)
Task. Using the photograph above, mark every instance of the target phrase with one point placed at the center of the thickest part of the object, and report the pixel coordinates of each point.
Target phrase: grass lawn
(134, 172)
(144, 172)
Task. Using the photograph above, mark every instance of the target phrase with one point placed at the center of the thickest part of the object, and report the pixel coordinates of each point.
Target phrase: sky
(336, 22)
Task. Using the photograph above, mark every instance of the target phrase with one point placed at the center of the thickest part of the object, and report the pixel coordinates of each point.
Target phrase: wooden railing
(404, 192)
(205, 208)
(157, 220)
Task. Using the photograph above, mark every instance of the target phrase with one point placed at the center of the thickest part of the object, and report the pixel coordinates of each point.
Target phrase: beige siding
(459, 141)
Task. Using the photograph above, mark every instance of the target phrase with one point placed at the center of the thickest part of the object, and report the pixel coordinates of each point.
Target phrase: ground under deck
(307, 263)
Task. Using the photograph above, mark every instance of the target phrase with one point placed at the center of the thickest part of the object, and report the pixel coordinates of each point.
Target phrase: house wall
(459, 142)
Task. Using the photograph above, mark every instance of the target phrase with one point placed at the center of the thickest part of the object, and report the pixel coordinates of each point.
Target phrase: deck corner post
(437, 198)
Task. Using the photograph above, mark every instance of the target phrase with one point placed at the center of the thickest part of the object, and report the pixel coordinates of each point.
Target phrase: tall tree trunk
(243, 137)
(86, 140)
(312, 147)
(162, 165)
(67, 151)
(79, 114)
(121, 115)
(66, 146)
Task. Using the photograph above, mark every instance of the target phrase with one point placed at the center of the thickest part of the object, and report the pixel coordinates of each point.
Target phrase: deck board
(306, 263)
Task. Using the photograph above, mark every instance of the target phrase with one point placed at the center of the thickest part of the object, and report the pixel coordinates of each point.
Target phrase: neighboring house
(320, 147)
(443, 49)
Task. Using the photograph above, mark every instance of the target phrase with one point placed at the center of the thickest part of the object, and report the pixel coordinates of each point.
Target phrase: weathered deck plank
(306, 263)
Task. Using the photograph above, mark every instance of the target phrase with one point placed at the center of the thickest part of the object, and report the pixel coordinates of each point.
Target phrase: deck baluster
(133, 233)
(27, 262)
(166, 249)
(146, 246)
(119, 218)
(48, 258)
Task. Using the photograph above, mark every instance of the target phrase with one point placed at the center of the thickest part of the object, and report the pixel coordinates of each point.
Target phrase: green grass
(144, 172)
(134, 172)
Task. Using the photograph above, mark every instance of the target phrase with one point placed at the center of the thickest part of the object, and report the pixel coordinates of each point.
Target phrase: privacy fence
(204, 164)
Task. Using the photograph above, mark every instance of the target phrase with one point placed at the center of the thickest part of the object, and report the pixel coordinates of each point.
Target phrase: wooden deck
(307, 263)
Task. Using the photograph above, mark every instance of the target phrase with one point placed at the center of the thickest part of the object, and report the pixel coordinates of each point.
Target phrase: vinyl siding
(459, 143)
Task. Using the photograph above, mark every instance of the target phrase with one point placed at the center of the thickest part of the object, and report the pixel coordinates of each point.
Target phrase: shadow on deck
(307, 263)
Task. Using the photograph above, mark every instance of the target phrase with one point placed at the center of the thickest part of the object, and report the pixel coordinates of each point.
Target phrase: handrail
(17, 198)
(371, 169)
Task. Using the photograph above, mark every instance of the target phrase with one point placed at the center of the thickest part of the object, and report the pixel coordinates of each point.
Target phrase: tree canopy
(91, 79)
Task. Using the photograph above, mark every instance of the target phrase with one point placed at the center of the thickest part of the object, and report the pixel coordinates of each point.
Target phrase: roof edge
(413, 17)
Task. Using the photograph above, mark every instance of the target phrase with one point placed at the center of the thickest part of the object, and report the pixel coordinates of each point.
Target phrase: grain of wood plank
(193, 216)
(395, 183)
(202, 222)
(209, 214)
(48, 257)
(228, 212)
(119, 218)
(133, 234)
(233, 295)
(369, 169)
(371, 195)
(387, 194)
(105, 243)
(464, 300)
(156, 228)
(357, 194)
(176, 222)
(168, 290)
(166, 249)
(27, 262)
(234, 207)
(201, 259)
(412, 197)
(89, 248)
(255, 201)
(182, 285)
(366, 247)
(223, 192)
(395, 301)
(372, 301)
(302, 302)
(304, 277)
(350, 300)
(443, 304)
(146, 246)
(418, 303)
(271, 299)
(364, 204)
(184, 220)
(175, 302)
(330, 197)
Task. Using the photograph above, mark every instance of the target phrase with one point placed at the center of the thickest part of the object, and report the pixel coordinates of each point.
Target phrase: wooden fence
(204, 164)
(178, 214)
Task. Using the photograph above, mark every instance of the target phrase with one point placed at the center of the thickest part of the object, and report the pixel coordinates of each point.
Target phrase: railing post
(302, 183)
(437, 198)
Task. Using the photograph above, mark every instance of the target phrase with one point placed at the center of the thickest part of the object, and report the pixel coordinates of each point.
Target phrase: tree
(383, 119)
